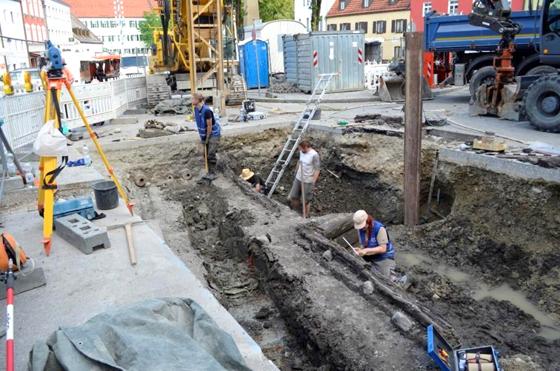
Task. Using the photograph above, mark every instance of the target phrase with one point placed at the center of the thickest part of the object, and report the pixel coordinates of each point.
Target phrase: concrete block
(82, 233)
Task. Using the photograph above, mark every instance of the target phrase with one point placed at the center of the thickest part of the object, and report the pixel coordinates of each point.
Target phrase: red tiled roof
(375, 6)
(105, 8)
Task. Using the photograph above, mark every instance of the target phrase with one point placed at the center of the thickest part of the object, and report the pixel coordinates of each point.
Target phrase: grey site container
(290, 58)
(337, 52)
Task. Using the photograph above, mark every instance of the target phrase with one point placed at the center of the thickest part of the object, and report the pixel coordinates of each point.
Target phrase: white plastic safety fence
(372, 72)
(23, 114)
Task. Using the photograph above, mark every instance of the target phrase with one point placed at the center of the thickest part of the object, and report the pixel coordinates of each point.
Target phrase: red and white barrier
(315, 59)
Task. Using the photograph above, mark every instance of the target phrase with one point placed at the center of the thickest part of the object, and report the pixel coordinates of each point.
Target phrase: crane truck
(532, 97)
(468, 51)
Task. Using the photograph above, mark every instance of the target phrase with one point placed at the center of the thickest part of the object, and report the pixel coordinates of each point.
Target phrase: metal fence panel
(306, 71)
(290, 58)
(23, 117)
(23, 114)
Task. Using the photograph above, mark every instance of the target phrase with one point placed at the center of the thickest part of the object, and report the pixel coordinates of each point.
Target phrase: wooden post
(413, 128)
(220, 59)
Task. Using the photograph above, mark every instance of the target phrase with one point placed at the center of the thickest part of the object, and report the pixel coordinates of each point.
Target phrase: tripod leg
(50, 164)
(41, 190)
(10, 150)
(93, 137)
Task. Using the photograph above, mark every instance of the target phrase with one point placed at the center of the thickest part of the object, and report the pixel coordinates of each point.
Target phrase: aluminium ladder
(297, 133)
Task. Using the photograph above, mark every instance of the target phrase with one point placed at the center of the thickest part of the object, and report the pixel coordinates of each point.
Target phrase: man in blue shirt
(375, 245)
(209, 130)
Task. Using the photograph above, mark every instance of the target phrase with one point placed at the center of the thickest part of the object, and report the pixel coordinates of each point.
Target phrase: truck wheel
(541, 103)
(542, 70)
(485, 75)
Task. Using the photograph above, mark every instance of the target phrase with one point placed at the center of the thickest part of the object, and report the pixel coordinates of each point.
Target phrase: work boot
(207, 178)
(211, 176)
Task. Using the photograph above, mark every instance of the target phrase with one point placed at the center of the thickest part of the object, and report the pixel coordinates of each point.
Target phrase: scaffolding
(190, 44)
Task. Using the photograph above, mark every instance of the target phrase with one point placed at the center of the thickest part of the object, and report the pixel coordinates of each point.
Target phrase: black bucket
(106, 195)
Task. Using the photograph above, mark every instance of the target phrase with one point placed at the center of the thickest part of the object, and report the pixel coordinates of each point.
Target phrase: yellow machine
(190, 45)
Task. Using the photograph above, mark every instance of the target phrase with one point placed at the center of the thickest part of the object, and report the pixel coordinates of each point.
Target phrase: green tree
(271, 10)
(315, 14)
(146, 27)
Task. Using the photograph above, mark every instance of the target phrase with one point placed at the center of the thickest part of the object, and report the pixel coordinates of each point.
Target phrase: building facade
(383, 22)
(119, 36)
(302, 12)
(419, 8)
(59, 23)
(326, 6)
(85, 47)
(36, 31)
(13, 46)
(115, 22)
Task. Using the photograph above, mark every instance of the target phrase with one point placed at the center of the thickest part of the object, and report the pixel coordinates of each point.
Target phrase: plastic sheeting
(157, 334)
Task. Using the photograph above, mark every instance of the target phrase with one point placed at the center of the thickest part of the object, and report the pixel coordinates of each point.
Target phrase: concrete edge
(372, 98)
(514, 169)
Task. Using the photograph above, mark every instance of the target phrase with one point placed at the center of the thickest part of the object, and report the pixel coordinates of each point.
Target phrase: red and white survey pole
(9, 280)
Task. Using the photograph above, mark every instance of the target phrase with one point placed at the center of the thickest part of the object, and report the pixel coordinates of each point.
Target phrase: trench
(450, 261)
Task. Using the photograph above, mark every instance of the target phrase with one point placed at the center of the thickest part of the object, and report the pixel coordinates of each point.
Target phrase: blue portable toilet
(253, 62)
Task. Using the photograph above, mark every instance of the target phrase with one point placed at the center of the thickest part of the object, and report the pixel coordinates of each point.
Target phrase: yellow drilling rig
(196, 45)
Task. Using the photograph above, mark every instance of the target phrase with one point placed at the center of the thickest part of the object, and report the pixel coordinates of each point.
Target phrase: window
(552, 16)
(331, 27)
(342, 4)
(427, 8)
(398, 26)
(365, 3)
(133, 24)
(379, 27)
(345, 27)
(453, 7)
(361, 26)
(397, 52)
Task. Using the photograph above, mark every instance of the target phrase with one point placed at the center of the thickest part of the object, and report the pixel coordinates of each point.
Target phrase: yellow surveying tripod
(54, 79)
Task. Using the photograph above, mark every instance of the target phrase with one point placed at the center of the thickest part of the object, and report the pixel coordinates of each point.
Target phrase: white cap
(360, 219)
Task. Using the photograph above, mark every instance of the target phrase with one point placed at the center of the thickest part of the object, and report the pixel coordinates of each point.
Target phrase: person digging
(375, 245)
(307, 174)
(257, 183)
(209, 130)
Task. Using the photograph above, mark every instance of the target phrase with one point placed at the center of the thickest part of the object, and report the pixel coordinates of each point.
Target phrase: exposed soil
(359, 170)
(308, 312)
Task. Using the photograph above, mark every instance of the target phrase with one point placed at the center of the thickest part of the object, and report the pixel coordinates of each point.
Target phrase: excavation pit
(485, 238)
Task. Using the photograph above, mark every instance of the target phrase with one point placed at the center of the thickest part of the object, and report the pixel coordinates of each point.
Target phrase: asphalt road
(455, 105)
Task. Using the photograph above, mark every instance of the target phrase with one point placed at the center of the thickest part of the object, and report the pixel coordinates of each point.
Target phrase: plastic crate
(80, 205)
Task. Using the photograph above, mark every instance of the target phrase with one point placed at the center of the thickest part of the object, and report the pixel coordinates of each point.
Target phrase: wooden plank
(413, 128)
(130, 243)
